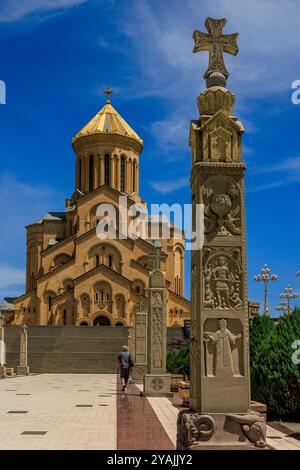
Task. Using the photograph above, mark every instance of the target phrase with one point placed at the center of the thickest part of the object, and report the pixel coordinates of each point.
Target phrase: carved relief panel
(157, 338)
(222, 278)
(223, 348)
(222, 206)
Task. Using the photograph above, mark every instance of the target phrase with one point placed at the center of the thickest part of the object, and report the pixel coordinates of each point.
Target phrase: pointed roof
(108, 121)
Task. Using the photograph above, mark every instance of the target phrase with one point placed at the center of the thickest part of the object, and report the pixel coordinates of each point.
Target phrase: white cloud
(14, 10)
(161, 36)
(289, 170)
(171, 185)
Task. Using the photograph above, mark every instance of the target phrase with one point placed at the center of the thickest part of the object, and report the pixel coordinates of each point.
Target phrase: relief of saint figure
(222, 286)
(222, 359)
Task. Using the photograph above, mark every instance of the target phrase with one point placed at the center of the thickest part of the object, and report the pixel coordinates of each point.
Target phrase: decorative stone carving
(157, 346)
(221, 198)
(215, 98)
(193, 428)
(222, 360)
(222, 279)
(253, 426)
(157, 383)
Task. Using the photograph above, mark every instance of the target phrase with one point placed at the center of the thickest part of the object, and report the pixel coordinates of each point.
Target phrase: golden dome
(108, 121)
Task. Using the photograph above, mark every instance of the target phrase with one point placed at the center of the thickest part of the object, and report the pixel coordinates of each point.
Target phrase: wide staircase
(67, 349)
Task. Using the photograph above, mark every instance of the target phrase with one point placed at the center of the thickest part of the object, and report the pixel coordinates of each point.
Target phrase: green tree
(274, 376)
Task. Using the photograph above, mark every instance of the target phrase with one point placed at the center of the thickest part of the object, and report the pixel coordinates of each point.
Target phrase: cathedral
(75, 278)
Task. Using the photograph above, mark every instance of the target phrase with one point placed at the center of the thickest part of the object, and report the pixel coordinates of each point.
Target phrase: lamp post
(266, 277)
(288, 294)
(282, 307)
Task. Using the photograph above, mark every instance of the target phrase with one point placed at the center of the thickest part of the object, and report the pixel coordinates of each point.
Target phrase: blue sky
(57, 55)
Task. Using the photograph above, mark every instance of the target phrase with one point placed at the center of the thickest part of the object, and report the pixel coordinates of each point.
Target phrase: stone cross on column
(2, 349)
(216, 43)
(23, 368)
(220, 416)
(156, 381)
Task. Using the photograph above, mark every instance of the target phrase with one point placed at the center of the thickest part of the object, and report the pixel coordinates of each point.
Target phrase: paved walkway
(70, 411)
(52, 411)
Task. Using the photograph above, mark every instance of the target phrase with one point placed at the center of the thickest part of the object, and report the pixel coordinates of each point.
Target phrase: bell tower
(107, 153)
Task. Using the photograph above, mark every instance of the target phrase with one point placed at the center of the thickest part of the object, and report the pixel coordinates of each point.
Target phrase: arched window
(97, 260)
(107, 170)
(65, 316)
(178, 268)
(110, 261)
(91, 173)
(134, 176)
(79, 174)
(123, 162)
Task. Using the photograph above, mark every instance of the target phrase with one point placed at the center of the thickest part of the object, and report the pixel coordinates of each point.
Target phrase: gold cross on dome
(108, 92)
(215, 42)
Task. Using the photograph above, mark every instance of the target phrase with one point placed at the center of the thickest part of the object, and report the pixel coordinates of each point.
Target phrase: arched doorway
(119, 323)
(101, 321)
(84, 323)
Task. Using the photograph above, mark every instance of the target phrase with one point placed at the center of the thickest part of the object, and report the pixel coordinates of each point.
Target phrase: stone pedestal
(198, 431)
(157, 385)
(22, 370)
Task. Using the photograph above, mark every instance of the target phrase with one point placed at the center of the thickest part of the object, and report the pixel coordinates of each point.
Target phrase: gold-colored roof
(108, 121)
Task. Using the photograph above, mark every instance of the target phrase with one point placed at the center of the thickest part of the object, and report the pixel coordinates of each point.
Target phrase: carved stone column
(156, 381)
(219, 351)
(23, 368)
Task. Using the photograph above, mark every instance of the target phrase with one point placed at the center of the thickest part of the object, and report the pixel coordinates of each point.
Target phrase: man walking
(124, 364)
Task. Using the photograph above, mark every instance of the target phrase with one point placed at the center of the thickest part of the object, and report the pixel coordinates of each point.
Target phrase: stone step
(67, 349)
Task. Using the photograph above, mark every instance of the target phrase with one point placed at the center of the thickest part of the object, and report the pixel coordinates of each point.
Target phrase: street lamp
(266, 277)
(283, 306)
(289, 295)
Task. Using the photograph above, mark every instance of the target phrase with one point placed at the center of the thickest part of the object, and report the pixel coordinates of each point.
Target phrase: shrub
(179, 362)
(274, 377)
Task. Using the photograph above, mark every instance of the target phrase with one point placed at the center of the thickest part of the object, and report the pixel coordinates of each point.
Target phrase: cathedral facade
(75, 278)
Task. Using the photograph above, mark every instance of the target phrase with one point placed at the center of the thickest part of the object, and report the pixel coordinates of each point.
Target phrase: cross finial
(157, 256)
(215, 42)
(108, 92)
